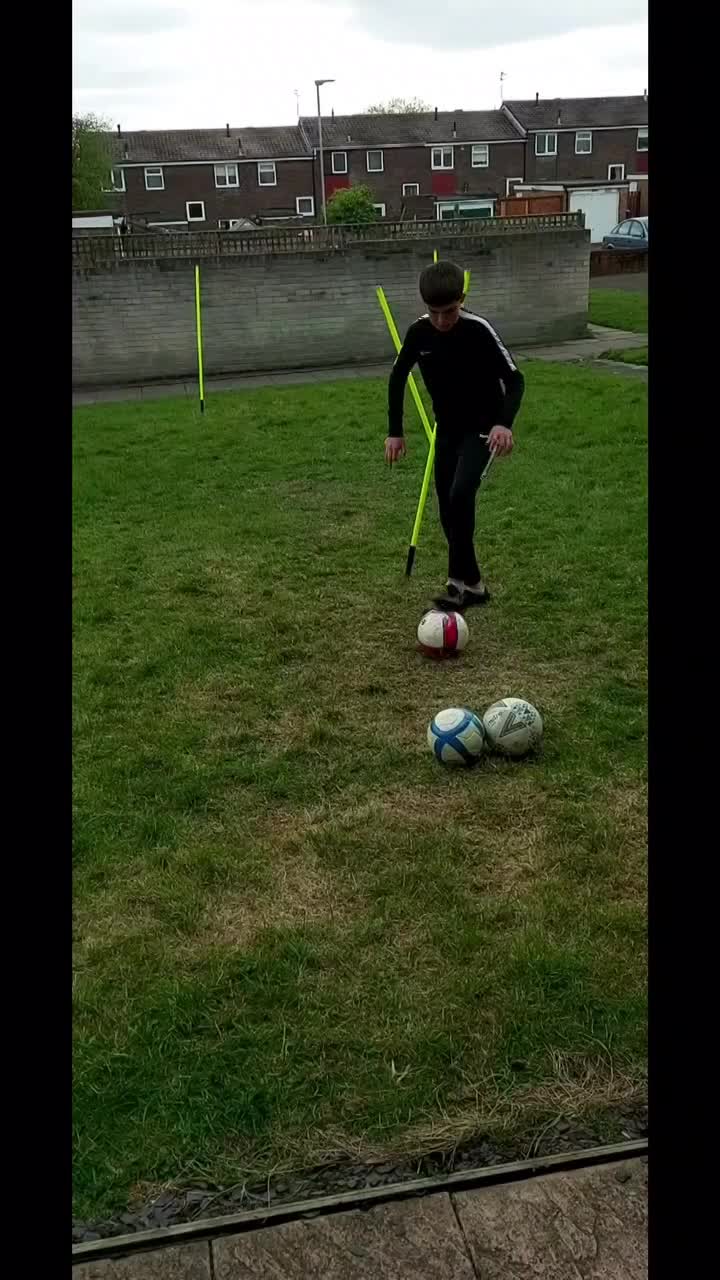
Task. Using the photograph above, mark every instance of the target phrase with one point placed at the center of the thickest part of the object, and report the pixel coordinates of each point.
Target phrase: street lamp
(320, 143)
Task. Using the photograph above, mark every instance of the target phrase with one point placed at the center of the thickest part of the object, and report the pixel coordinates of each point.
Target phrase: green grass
(619, 309)
(629, 355)
(295, 933)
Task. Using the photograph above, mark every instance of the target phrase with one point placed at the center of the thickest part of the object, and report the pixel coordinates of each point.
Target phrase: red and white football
(441, 634)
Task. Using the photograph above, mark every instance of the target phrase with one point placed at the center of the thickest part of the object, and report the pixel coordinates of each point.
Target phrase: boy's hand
(394, 448)
(501, 440)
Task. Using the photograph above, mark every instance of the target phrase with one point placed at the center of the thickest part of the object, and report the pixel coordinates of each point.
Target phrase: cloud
(478, 24)
(131, 18)
(236, 60)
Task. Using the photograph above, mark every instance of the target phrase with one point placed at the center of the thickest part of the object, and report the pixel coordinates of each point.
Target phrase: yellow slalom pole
(429, 431)
(420, 508)
(434, 255)
(198, 323)
(466, 282)
(397, 344)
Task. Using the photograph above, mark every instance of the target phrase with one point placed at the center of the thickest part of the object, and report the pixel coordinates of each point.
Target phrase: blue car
(630, 234)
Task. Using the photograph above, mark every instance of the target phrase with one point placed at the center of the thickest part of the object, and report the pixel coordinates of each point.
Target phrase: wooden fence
(89, 251)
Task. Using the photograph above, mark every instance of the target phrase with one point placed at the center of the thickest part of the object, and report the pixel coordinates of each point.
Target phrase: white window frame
(333, 165)
(224, 169)
(416, 191)
(302, 213)
(583, 133)
(375, 151)
(642, 133)
(453, 204)
(267, 164)
(547, 134)
(154, 170)
(114, 182)
(441, 151)
(509, 185)
(479, 164)
(380, 208)
(622, 174)
(187, 210)
(221, 221)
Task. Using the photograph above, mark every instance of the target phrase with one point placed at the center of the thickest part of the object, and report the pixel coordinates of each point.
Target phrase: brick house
(206, 179)
(594, 149)
(440, 164)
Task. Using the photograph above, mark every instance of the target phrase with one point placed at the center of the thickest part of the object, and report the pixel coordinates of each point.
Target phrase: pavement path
(581, 349)
(589, 1223)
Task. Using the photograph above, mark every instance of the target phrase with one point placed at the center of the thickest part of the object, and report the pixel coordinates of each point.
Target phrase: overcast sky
(172, 64)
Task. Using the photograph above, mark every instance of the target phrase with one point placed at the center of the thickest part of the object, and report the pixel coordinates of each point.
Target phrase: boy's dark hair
(441, 284)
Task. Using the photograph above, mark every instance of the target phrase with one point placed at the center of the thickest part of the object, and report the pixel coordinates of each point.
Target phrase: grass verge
(295, 933)
(619, 309)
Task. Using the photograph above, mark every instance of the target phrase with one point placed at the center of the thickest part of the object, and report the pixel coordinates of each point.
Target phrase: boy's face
(444, 318)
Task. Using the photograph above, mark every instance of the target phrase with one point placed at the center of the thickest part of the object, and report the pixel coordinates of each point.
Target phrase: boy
(476, 391)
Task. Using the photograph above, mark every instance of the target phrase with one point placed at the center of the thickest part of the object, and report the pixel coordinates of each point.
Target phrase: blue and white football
(456, 736)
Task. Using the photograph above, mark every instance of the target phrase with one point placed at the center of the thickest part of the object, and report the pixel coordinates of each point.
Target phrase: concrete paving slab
(186, 1262)
(411, 1240)
(586, 1225)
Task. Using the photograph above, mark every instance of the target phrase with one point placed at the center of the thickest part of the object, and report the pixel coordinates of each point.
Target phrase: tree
(91, 161)
(352, 206)
(399, 107)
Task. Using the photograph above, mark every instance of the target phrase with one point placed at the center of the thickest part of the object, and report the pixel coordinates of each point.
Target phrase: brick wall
(134, 320)
(609, 146)
(197, 182)
(413, 164)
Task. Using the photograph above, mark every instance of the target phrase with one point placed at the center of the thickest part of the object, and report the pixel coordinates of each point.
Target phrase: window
(195, 210)
(446, 211)
(380, 208)
(642, 140)
(305, 205)
(226, 175)
(154, 179)
(545, 144)
(225, 224)
(480, 155)
(338, 161)
(637, 230)
(374, 162)
(267, 177)
(117, 180)
(616, 173)
(411, 188)
(583, 142)
(511, 184)
(441, 158)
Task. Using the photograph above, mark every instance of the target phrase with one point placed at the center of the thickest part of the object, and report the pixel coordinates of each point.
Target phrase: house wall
(185, 182)
(134, 320)
(610, 146)
(413, 164)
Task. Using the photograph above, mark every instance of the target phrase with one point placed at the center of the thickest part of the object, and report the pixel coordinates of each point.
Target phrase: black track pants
(459, 464)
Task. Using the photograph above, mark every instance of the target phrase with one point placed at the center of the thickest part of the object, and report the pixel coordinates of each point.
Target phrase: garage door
(600, 209)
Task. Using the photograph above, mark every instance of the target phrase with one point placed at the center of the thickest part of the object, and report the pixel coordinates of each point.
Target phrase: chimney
(332, 113)
(436, 114)
(454, 129)
(537, 97)
(349, 139)
(644, 96)
(118, 128)
(227, 130)
(127, 151)
(558, 122)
